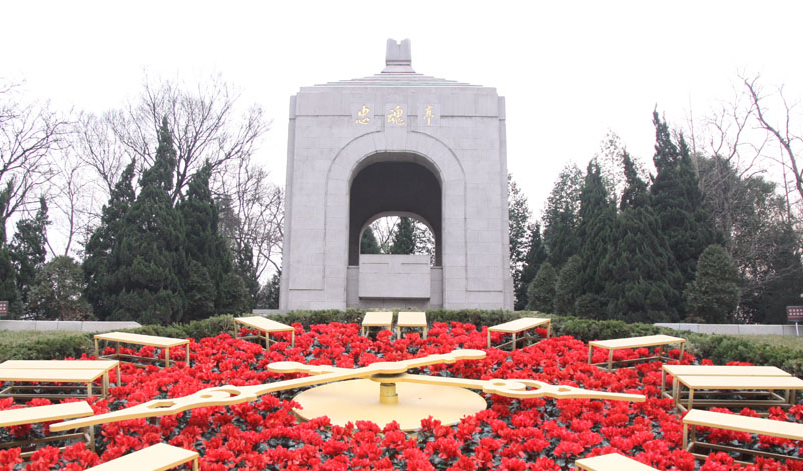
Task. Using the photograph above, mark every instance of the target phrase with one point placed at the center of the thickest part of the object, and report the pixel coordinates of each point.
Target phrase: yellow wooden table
(517, 326)
(376, 319)
(753, 386)
(635, 342)
(739, 423)
(138, 339)
(264, 327)
(411, 319)
(50, 413)
(612, 462)
(13, 376)
(105, 365)
(712, 370)
(154, 458)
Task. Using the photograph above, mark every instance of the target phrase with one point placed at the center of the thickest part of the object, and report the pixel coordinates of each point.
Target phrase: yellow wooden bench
(411, 319)
(17, 391)
(635, 342)
(50, 413)
(105, 365)
(712, 370)
(752, 386)
(739, 423)
(154, 458)
(164, 343)
(612, 462)
(517, 326)
(376, 319)
(264, 327)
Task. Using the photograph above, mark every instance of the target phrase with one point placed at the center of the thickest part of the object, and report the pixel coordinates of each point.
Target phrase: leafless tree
(782, 125)
(253, 215)
(29, 134)
(203, 122)
(735, 150)
(73, 206)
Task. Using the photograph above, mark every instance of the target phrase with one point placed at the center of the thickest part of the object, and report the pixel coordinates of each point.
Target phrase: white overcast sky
(568, 70)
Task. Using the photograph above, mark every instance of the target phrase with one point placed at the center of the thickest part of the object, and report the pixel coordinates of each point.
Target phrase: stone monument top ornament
(398, 58)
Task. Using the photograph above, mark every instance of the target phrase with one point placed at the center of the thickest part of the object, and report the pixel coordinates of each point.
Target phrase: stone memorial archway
(396, 143)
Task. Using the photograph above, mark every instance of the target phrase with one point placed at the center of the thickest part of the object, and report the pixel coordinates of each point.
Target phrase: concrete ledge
(734, 329)
(72, 326)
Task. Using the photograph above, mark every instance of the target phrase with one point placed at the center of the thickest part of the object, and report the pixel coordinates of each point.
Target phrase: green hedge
(22, 345)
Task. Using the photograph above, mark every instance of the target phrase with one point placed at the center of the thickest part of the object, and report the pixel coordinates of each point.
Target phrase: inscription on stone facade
(396, 115)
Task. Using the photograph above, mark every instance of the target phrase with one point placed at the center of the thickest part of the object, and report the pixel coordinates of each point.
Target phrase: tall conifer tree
(28, 248)
(536, 255)
(561, 216)
(404, 238)
(640, 269)
(594, 232)
(368, 242)
(8, 285)
(99, 247)
(148, 256)
(209, 262)
(678, 202)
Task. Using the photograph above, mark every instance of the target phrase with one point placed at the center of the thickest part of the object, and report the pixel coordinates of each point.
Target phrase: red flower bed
(514, 435)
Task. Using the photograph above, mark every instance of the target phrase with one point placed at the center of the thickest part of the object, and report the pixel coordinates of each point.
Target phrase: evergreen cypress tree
(404, 238)
(247, 273)
(594, 232)
(678, 203)
(567, 289)
(368, 242)
(8, 277)
(561, 216)
(639, 264)
(541, 292)
(714, 294)
(536, 255)
(209, 260)
(148, 256)
(99, 247)
(28, 249)
(269, 294)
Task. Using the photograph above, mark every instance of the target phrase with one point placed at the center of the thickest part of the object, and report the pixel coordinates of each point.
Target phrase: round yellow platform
(358, 399)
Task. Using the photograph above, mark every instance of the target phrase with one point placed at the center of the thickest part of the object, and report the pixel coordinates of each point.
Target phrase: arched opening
(396, 184)
(402, 233)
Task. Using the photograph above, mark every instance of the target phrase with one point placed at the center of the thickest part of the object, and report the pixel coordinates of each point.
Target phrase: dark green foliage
(28, 249)
(99, 247)
(8, 275)
(561, 216)
(594, 232)
(567, 289)
(200, 292)
(269, 294)
(714, 294)
(404, 240)
(781, 282)
(536, 255)
(639, 266)
(207, 285)
(368, 242)
(245, 270)
(44, 345)
(57, 292)
(148, 255)
(541, 291)
(677, 202)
